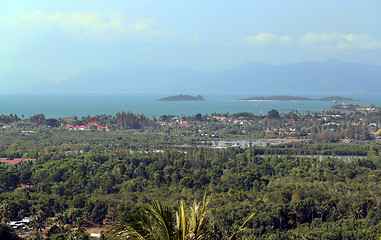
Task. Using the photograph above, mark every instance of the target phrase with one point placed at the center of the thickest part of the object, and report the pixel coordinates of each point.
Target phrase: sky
(54, 40)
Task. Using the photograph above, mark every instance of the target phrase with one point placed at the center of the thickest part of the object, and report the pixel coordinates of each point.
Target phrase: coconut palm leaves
(156, 221)
(193, 224)
(163, 217)
(238, 232)
(38, 219)
(134, 226)
(4, 213)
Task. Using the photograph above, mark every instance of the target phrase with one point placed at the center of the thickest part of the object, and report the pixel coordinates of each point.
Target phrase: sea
(56, 105)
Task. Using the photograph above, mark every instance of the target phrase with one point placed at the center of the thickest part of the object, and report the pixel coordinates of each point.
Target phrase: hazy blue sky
(57, 39)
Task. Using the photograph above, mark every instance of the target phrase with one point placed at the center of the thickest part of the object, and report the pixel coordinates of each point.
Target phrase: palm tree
(140, 225)
(61, 220)
(156, 221)
(38, 220)
(194, 223)
(4, 213)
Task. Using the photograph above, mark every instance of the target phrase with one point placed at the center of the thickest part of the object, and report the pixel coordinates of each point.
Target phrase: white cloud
(339, 41)
(285, 39)
(318, 41)
(94, 26)
(267, 39)
(261, 39)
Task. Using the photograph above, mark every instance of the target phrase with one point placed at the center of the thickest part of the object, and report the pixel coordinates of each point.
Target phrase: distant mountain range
(19, 81)
(327, 76)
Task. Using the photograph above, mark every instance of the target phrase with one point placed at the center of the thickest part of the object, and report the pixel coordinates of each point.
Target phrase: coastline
(257, 100)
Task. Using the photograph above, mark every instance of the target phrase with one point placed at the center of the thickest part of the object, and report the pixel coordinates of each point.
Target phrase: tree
(273, 114)
(38, 220)
(198, 117)
(52, 122)
(4, 213)
(37, 118)
(157, 221)
(8, 233)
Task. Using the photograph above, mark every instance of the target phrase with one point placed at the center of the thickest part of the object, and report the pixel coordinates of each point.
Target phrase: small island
(295, 98)
(336, 99)
(182, 97)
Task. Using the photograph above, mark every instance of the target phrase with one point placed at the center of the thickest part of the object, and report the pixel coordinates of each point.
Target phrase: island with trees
(182, 97)
(337, 98)
(295, 98)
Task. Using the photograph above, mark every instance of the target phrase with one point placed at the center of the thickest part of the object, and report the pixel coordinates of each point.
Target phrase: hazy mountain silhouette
(327, 76)
(16, 81)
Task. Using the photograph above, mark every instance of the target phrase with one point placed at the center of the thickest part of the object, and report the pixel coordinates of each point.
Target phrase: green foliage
(8, 233)
(273, 113)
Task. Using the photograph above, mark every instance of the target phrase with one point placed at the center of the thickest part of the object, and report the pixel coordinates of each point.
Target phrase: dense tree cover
(291, 195)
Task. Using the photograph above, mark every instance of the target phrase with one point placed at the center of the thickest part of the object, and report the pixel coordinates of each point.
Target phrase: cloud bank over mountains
(318, 41)
(54, 40)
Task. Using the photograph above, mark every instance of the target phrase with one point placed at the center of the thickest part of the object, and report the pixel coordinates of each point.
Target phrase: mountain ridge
(326, 76)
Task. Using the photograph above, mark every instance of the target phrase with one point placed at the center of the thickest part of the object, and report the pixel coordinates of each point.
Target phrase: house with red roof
(102, 128)
(16, 160)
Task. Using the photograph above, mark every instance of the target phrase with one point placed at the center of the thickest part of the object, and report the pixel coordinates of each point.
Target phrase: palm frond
(241, 228)
(163, 216)
(181, 222)
(132, 226)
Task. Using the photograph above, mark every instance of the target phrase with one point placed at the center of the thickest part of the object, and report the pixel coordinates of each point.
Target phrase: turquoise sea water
(82, 104)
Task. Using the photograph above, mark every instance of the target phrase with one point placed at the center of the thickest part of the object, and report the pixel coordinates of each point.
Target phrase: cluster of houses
(224, 119)
(350, 107)
(369, 109)
(84, 127)
(180, 123)
(218, 118)
(8, 126)
(92, 121)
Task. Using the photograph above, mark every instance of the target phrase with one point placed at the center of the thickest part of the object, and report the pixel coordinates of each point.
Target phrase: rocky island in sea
(182, 97)
(294, 98)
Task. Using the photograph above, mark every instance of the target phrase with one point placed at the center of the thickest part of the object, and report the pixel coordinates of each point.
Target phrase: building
(16, 160)
(70, 119)
(94, 121)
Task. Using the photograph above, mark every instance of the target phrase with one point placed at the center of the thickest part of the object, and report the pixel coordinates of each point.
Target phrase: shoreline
(312, 100)
(243, 100)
